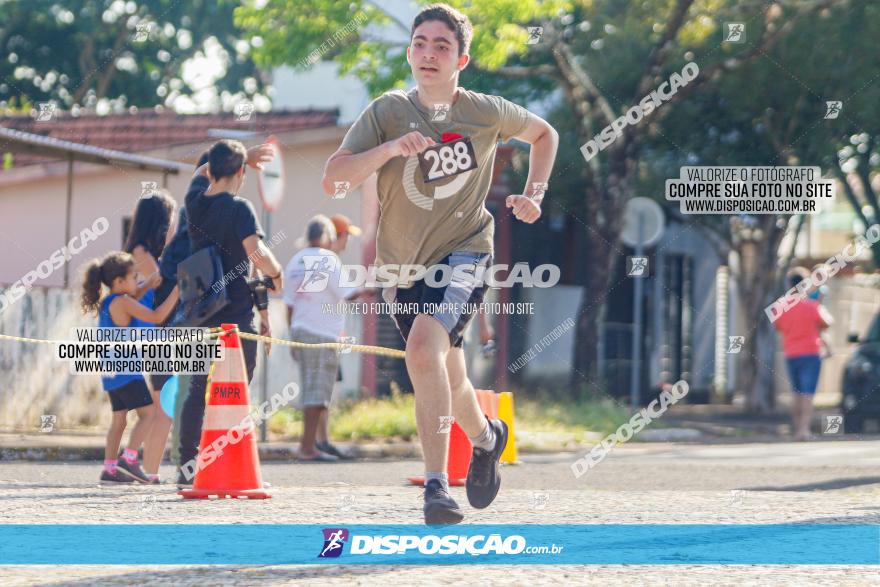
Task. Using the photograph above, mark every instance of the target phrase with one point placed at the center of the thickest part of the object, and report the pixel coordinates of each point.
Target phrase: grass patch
(601, 416)
(541, 422)
(367, 419)
(545, 423)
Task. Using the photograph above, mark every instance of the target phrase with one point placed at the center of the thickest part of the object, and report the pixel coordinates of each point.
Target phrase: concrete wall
(32, 212)
(32, 381)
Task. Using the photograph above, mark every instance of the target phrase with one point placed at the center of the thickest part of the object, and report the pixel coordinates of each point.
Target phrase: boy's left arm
(544, 141)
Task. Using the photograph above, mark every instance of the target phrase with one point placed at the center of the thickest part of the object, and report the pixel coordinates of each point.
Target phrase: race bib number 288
(447, 159)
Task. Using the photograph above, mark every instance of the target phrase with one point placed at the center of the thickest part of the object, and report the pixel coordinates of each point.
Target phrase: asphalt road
(816, 482)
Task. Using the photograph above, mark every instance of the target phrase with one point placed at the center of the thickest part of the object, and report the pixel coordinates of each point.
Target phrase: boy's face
(433, 54)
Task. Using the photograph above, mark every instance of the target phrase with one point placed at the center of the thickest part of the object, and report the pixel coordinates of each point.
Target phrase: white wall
(32, 213)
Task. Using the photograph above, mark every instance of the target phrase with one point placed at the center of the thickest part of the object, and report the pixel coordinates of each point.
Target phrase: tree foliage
(758, 102)
(123, 53)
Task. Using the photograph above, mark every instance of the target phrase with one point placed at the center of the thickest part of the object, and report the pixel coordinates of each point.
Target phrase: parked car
(861, 380)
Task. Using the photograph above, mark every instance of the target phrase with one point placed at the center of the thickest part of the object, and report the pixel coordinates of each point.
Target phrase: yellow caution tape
(216, 332)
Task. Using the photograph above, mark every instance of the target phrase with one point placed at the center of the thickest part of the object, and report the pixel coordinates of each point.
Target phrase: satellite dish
(652, 222)
(270, 181)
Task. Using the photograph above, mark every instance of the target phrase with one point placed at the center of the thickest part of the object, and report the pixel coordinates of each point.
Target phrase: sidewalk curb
(268, 453)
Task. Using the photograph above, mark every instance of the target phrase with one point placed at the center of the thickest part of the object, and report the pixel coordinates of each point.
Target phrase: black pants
(194, 406)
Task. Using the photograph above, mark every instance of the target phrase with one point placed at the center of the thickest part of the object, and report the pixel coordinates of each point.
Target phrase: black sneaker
(440, 509)
(182, 481)
(483, 480)
(133, 470)
(329, 449)
(115, 478)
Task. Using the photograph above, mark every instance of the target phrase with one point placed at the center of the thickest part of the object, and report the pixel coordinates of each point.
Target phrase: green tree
(80, 51)
(603, 56)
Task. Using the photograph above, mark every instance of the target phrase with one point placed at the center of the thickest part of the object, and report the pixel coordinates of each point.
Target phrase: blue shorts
(804, 373)
(453, 304)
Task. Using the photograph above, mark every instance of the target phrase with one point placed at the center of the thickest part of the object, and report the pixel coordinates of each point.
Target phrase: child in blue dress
(121, 309)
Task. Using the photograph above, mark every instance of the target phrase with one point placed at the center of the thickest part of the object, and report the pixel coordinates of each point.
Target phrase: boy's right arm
(354, 168)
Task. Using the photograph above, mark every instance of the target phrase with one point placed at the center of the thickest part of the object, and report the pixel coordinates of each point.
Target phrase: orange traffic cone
(458, 458)
(228, 464)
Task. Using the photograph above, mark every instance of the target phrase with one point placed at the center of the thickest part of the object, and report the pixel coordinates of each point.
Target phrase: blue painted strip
(273, 544)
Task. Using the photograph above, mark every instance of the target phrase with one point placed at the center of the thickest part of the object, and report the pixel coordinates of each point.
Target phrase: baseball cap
(343, 225)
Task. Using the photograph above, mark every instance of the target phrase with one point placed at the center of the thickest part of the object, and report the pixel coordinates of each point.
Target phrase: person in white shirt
(313, 296)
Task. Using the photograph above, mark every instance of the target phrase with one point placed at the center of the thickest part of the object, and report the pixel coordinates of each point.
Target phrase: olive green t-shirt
(419, 222)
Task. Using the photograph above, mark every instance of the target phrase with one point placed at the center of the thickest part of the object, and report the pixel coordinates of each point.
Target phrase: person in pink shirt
(801, 328)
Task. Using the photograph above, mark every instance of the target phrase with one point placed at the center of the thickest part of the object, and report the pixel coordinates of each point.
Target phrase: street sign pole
(635, 367)
(643, 227)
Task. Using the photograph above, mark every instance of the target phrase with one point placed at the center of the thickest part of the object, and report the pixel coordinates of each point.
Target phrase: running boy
(120, 309)
(433, 213)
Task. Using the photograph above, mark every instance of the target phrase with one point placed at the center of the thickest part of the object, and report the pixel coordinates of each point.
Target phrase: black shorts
(132, 395)
(158, 380)
(452, 301)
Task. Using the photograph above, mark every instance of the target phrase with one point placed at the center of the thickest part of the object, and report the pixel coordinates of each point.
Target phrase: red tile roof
(147, 130)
